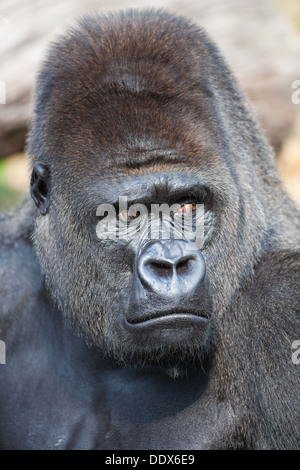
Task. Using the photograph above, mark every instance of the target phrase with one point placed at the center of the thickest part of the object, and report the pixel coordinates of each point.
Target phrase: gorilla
(128, 338)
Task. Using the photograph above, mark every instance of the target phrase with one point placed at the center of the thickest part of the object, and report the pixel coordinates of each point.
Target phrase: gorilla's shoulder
(20, 275)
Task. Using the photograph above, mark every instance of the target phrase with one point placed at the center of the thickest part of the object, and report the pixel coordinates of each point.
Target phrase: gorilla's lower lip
(166, 318)
(172, 330)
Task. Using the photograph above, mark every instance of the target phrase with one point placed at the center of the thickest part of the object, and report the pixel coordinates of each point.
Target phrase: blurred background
(259, 39)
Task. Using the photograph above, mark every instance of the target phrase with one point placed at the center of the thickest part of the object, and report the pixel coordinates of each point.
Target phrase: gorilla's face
(135, 284)
(143, 294)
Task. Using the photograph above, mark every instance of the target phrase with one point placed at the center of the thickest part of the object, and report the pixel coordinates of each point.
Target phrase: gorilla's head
(141, 106)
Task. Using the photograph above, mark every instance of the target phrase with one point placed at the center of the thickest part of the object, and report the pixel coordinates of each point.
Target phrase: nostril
(183, 266)
(161, 268)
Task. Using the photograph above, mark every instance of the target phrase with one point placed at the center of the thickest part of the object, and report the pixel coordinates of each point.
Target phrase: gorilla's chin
(176, 346)
(173, 363)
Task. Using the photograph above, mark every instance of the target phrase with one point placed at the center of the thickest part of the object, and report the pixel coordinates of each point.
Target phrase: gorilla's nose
(171, 268)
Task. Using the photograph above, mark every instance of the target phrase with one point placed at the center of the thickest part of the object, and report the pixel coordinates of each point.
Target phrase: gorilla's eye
(187, 207)
(128, 216)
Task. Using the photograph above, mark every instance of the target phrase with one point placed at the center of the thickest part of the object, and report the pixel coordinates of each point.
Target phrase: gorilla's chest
(127, 411)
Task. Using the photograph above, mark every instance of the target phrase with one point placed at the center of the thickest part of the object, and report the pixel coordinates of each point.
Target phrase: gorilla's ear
(40, 187)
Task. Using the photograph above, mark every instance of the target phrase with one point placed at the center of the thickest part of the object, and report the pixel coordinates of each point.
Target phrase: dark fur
(146, 95)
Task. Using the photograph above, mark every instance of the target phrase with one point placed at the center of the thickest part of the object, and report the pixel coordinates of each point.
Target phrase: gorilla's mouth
(169, 316)
(169, 329)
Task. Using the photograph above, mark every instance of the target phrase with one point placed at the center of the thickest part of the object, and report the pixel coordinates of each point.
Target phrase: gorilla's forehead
(150, 169)
(151, 162)
(139, 154)
(135, 133)
(140, 161)
(125, 128)
(148, 185)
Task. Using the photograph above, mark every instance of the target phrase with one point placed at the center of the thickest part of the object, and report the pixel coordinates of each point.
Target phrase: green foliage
(8, 196)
